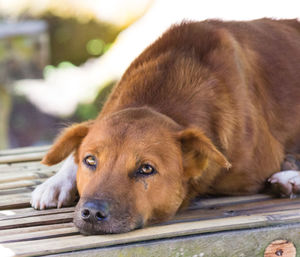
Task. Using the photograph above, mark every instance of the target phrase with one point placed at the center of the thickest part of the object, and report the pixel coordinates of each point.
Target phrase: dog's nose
(94, 210)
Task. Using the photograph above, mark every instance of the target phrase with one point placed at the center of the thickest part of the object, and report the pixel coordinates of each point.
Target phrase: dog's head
(133, 168)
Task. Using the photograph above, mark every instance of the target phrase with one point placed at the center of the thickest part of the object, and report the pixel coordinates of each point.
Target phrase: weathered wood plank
(31, 175)
(36, 221)
(221, 201)
(242, 243)
(30, 212)
(37, 235)
(14, 203)
(25, 230)
(236, 210)
(22, 150)
(77, 242)
(6, 200)
(15, 191)
(13, 170)
(26, 166)
(22, 157)
(24, 183)
(28, 163)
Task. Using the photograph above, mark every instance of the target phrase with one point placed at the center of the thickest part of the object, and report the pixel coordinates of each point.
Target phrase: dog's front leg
(59, 190)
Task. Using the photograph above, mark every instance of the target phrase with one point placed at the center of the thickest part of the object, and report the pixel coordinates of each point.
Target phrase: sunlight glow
(61, 91)
(7, 213)
(6, 252)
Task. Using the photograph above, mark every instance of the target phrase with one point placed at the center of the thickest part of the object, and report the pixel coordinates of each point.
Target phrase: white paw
(295, 181)
(59, 190)
(53, 193)
(286, 183)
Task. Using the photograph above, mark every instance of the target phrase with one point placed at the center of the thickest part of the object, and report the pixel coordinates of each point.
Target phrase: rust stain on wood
(282, 248)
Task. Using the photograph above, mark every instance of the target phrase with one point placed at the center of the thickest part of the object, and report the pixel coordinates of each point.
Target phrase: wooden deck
(227, 226)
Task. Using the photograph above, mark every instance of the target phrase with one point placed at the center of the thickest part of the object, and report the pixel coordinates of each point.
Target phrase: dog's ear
(66, 143)
(197, 151)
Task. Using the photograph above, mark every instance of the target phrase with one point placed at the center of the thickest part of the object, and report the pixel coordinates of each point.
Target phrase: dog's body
(209, 108)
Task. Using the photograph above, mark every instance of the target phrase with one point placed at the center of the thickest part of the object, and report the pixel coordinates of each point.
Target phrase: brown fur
(203, 97)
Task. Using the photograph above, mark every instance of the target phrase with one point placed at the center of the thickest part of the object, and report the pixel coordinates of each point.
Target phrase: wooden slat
(22, 150)
(71, 243)
(14, 203)
(22, 157)
(23, 166)
(37, 235)
(31, 175)
(6, 200)
(24, 183)
(4, 166)
(27, 163)
(30, 212)
(236, 243)
(37, 167)
(25, 230)
(221, 201)
(15, 191)
(36, 221)
(236, 210)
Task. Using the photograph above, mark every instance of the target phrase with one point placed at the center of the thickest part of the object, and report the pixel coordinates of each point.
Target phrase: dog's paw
(286, 183)
(54, 192)
(295, 181)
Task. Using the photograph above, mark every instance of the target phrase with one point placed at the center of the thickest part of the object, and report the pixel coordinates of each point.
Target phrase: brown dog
(209, 108)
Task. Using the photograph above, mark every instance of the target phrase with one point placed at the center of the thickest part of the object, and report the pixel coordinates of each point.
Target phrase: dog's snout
(95, 211)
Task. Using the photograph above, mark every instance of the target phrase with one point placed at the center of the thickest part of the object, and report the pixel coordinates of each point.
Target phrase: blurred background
(59, 59)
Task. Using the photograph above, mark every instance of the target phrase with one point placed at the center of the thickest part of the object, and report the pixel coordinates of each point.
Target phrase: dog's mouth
(92, 222)
(107, 227)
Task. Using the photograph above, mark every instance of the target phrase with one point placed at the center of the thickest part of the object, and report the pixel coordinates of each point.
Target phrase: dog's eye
(146, 169)
(90, 161)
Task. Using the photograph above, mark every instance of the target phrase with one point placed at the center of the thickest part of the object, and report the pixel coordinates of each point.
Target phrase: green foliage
(76, 42)
(86, 111)
(50, 68)
(90, 111)
(95, 46)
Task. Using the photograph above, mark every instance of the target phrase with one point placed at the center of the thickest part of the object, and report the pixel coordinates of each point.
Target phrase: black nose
(95, 210)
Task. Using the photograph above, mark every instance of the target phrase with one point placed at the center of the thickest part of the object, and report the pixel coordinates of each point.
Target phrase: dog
(210, 108)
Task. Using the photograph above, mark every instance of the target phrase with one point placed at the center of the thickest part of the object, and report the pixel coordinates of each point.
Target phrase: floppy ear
(198, 150)
(66, 143)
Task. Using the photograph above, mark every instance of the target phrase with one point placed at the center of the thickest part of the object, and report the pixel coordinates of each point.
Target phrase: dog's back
(238, 81)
